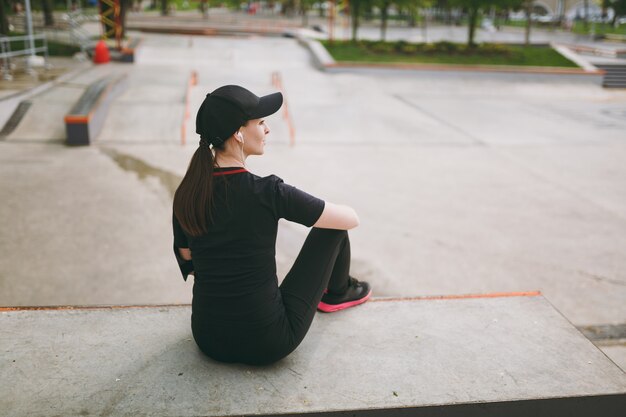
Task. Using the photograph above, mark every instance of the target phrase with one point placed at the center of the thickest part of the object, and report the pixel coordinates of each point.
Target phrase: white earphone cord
(243, 160)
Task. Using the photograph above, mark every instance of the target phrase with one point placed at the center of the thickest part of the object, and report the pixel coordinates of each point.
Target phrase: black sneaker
(357, 293)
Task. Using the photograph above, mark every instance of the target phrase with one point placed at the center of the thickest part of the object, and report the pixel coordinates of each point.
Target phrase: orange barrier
(278, 83)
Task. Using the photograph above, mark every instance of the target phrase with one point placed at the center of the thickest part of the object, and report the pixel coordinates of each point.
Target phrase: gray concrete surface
(25, 86)
(464, 183)
(143, 361)
(45, 120)
(79, 230)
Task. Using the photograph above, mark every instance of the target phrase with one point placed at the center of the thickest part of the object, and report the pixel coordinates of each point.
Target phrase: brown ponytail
(193, 200)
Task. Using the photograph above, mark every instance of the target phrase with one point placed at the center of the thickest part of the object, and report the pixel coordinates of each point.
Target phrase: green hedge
(61, 49)
(54, 48)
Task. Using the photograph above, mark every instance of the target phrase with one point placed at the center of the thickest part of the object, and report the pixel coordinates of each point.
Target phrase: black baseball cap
(226, 109)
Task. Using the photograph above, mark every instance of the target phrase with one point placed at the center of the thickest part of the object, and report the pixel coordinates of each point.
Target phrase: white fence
(7, 53)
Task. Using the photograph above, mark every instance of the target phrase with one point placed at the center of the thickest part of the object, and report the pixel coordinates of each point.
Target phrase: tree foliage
(474, 8)
(619, 7)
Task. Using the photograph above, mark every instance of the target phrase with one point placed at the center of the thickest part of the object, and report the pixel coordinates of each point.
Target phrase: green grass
(599, 28)
(54, 48)
(185, 4)
(445, 53)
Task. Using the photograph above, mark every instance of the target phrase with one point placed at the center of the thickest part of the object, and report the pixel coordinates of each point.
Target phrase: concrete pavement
(464, 183)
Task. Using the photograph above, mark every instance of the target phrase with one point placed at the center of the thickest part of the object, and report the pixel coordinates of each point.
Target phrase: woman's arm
(337, 216)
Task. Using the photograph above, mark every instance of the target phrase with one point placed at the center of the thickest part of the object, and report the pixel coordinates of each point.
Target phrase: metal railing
(7, 53)
(78, 35)
(68, 27)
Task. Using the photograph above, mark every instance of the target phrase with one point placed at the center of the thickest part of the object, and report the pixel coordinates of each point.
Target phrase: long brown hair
(193, 200)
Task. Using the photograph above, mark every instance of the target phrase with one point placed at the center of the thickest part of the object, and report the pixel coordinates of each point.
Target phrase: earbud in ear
(240, 136)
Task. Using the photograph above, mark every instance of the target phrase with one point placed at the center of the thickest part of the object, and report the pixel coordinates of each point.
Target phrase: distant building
(567, 9)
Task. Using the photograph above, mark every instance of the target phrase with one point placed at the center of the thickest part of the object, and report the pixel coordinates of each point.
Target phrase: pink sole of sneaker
(330, 308)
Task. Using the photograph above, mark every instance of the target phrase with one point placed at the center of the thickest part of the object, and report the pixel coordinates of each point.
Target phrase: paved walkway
(464, 183)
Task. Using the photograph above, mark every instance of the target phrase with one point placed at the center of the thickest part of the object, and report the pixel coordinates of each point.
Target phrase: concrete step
(615, 76)
(493, 355)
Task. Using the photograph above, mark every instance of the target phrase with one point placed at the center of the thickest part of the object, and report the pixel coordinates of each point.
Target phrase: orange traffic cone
(101, 53)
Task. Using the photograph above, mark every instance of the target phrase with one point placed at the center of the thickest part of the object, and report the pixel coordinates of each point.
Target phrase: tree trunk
(4, 19)
(384, 11)
(164, 8)
(473, 17)
(585, 15)
(204, 8)
(425, 27)
(355, 12)
(412, 16)
(124, 6)
(528, 22)
(48, 18)
(305, 16)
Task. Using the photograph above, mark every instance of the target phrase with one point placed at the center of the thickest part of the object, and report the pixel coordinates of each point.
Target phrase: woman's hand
(336, 216)
(185, 253)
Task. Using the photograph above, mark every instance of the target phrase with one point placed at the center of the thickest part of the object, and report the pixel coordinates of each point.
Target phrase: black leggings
(323, 262)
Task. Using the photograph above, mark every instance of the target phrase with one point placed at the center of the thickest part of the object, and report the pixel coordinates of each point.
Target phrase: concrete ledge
(84, 121)
(470, 68)
(577, 59)
(502, 355)
(269, 31)
(615, 37)
(126, 53)
(215, 25)
(598, 51)
(321, 57)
